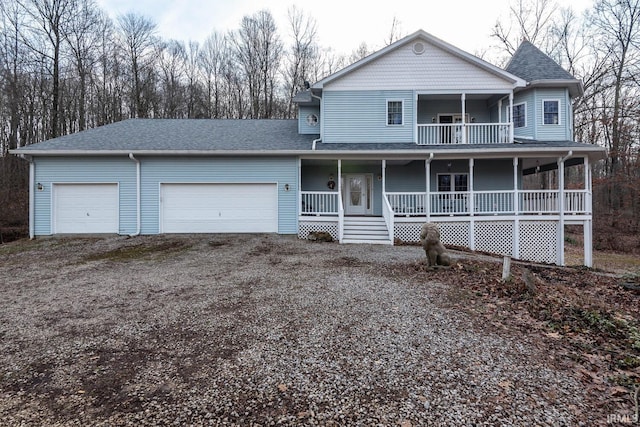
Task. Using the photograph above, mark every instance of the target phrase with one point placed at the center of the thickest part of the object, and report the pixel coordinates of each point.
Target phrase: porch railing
(487, 202)
(408, 203)
(493, 202)
(319, 202)
(468, 133)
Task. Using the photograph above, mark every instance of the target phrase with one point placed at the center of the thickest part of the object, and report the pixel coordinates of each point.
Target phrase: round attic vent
(418, 48)
(312, 120)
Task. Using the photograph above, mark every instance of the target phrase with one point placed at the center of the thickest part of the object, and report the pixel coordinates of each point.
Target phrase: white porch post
(427, 202)
(516, 209)
(32, 198)
(384, 178)
(500, 111)
(471, 208)
(511, 117)
(588, 224)
(463, 99)
(341, 208)
(561, 210)
(299, 186)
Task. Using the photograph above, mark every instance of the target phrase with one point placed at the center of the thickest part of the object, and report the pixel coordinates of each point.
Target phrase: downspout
(32, 196)
(137, 195)
(315, 141)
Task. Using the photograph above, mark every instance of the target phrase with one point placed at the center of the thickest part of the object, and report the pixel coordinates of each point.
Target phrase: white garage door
(85, 208)
(219, 208)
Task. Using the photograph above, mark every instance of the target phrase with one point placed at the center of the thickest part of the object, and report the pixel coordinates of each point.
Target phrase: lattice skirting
(451, 233)
(539, 241)
(494, 236)
(306, 227)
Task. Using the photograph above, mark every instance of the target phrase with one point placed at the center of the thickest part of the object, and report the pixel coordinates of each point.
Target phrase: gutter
(569, 154)
(137, 233)
(32, 196)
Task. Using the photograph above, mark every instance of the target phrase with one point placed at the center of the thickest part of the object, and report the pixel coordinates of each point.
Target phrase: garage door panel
(219, 208)
(85, 208)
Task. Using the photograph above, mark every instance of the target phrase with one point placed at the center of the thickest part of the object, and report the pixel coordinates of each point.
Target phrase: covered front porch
(480, 203)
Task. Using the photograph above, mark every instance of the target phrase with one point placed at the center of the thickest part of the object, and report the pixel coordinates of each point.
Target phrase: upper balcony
(463, 119)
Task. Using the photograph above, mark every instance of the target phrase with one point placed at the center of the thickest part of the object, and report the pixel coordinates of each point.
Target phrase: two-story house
(418, 131)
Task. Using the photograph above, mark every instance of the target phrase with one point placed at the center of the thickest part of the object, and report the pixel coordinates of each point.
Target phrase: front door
(357, 194)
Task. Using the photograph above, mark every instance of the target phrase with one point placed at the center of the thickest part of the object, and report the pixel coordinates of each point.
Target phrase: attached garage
(85, 208)
(218, 208)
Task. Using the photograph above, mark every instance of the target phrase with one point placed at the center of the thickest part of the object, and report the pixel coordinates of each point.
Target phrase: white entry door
(357, 194)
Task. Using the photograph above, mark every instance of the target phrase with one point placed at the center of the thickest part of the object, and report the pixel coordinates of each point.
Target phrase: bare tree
(395, 33)
(529, 20)
(618, 26)
(258, 50)
(211, 60)
(138, 42)
(301, 55)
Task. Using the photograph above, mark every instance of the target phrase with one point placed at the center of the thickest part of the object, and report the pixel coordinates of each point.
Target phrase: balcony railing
(468, 133)
(488, 202)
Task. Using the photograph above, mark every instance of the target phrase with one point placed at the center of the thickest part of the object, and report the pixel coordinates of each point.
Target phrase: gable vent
(418, 48)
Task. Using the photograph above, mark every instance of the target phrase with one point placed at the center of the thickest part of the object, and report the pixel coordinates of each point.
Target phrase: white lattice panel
(495, 237)
(306, 227)
(407, 231)
(454, 233)
(539, 241)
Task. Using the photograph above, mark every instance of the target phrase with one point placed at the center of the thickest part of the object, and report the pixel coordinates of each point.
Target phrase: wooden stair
(365, 229)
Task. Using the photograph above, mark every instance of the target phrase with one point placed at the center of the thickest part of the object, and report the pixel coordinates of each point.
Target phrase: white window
(520, 115)
(453, 182)
(395, 116)
(551, 112)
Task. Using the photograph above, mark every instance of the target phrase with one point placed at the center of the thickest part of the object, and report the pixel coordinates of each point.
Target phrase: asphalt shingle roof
(531, 64)
(183, 135)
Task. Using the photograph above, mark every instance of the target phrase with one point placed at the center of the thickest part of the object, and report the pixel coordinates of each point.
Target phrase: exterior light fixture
(40, 187)
(286, 187)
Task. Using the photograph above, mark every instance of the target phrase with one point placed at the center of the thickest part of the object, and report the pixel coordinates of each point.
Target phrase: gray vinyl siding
(303, 126)
(475, 109)
(84, 170)
(493, 175)
(561, 131)
(409, 177)
(360, 116)
(528, 131)
(157, 170)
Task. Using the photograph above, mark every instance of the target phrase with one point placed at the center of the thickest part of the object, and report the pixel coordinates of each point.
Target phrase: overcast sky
(342, 24)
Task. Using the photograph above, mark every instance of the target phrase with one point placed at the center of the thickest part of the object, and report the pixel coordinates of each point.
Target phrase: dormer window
(395, 113)
(551, 111)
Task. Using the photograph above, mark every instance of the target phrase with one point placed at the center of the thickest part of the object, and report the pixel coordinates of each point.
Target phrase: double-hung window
(519, 115)
(394, 113)
(551, 112)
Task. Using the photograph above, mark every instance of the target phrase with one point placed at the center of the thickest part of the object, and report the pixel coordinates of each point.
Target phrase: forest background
(66, 66)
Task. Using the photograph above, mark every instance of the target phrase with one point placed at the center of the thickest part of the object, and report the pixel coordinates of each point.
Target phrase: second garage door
(218, 208)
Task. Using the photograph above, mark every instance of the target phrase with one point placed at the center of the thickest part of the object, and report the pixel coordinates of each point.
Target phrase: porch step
(365, 230)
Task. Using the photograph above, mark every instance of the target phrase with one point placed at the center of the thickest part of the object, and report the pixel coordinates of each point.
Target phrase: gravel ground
(256, 330)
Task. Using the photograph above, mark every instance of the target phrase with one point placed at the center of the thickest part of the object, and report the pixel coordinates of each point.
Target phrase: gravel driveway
(256, 330)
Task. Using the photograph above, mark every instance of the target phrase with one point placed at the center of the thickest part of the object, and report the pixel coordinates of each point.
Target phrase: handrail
(387, 213)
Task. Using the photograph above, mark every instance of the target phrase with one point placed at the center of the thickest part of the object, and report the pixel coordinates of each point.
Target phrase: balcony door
(357, 194)
(451, 134)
